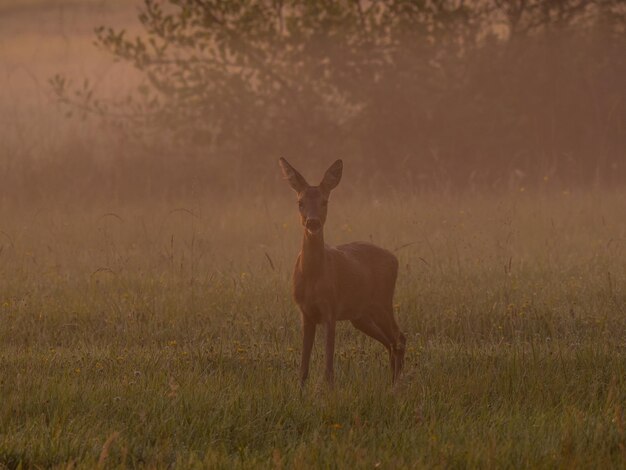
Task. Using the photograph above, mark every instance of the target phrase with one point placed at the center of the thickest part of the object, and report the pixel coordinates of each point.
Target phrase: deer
(353, 282)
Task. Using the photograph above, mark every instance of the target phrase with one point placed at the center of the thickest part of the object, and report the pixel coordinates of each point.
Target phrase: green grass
(161, 335)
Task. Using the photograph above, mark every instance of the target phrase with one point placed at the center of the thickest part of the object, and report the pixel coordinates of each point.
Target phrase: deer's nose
(313, 224)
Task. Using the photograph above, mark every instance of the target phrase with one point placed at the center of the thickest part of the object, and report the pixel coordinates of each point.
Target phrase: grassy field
(164, 334)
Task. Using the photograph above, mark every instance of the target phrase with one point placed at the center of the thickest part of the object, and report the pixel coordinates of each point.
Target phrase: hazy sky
(39, 38)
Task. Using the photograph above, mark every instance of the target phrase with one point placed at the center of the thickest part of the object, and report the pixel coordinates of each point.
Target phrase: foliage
(455, 92)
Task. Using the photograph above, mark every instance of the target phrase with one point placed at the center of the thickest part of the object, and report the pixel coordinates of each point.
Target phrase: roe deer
(352, 282)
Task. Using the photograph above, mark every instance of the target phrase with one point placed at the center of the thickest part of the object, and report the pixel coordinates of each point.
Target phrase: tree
(446, 89)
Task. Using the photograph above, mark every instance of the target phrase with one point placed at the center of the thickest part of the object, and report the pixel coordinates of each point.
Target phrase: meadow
(160, 334)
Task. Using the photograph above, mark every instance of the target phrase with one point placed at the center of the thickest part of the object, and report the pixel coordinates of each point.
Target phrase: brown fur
(352, 282)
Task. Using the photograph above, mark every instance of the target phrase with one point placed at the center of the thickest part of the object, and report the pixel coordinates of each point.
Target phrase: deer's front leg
(330, 351)
(308, 338)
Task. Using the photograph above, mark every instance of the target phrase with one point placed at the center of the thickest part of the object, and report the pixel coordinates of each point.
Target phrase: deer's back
(369, 256)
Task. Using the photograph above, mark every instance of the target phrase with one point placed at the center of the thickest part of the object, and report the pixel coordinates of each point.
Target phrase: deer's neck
(312, 259)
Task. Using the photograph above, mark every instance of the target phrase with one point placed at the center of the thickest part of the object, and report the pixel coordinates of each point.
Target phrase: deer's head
(312, 200)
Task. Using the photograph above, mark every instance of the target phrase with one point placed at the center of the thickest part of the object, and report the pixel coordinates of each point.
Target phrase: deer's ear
(332, 176)
(296, 180)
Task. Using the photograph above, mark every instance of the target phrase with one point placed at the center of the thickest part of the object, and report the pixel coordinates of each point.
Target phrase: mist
(446, 98)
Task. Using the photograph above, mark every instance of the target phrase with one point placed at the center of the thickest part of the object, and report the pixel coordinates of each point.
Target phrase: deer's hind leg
(370, 328)
(387, 324)
(400, 349)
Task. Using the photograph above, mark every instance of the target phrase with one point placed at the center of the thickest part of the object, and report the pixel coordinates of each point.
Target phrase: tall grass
(164, 334)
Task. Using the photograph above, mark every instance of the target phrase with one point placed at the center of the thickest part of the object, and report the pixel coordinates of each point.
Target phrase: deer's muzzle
(313, 225)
